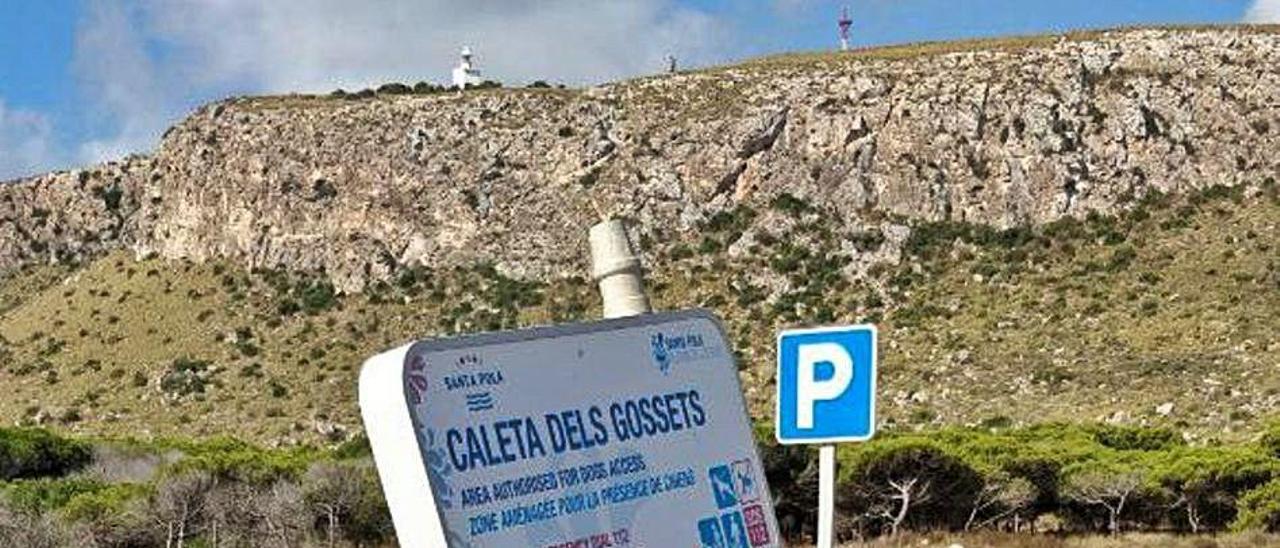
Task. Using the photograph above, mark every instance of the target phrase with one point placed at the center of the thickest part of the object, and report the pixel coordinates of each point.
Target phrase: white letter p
(809, 390)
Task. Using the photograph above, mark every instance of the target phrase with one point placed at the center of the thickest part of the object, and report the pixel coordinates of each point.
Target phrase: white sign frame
(385, 408)
(874, 369)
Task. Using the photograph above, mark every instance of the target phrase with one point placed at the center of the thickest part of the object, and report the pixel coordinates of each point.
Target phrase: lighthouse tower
(465, 74)
(844, 23)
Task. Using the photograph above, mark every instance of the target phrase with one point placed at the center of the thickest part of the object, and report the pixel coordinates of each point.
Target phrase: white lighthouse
(465, 74)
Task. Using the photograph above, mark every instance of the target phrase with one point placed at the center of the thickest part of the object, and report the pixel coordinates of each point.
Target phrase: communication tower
(844, 23)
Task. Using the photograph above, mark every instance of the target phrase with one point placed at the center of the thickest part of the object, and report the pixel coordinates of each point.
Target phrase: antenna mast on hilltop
(845, 23)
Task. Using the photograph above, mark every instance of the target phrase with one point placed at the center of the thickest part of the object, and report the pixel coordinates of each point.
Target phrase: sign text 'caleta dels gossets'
(628, 432)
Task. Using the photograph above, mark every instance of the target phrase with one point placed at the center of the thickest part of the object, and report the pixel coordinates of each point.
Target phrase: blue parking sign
(826, 384)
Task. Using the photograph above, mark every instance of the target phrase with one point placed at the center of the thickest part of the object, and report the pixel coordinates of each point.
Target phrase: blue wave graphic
(483, 401)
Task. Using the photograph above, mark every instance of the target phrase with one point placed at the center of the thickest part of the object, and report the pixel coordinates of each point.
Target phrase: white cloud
(323, 44)
(119, 79)
(26, 145)
(143, 63)
(1263, 11)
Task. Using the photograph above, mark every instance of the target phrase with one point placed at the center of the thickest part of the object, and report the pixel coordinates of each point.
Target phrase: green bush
(1270, 440)
(1259, 509)
(908, 482)
(1106, 491)
(394, 88)
(111, 196)
(427, 88)
(185, 377)
(44, 494)
(33, 453)
(317, 297)
(867, 241)
(235, 460)
(1204, 483)
(790, 205)
(1135, 438)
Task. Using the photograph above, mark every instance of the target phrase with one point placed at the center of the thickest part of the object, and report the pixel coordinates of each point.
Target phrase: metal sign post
(826, 394)
(826, 495)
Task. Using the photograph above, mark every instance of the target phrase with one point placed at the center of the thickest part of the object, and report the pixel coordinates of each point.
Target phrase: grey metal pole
(826, 495)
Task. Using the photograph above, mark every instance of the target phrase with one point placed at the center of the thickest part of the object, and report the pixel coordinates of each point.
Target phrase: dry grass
(90, 350)
(1047, 334)
(994, 44)
(1029, 335)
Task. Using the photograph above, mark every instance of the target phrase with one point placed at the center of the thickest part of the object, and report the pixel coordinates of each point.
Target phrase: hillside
(1073, 228)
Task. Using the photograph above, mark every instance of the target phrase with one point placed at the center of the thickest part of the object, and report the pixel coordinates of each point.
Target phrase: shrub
(427, 87)
(32, 530)
(345, 501)
(1205, 483)
(904, 482)
(1134, 438)
(1270, 440)
(235, 460)
(394, 88)
(790, 205)
(732, 222)
(317, 296)
(1121, 258)
(867, 241)
(1111, 485)
(185, 377)
(111, 197)
(277, 390)
(1260, 509)
(44, 494)
(113, 515)
(33, 453)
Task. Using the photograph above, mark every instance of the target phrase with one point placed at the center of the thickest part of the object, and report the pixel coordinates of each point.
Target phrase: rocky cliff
(1004, 133)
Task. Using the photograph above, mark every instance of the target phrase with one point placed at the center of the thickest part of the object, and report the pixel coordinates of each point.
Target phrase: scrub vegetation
(1047, 485)
(56, 491)
(1106, 378)
(1165, 315)
(1047, 479)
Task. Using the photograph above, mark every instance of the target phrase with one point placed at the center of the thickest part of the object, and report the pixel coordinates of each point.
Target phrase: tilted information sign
(627, 432)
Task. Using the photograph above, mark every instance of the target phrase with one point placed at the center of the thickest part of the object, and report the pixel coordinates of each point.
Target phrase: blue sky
(83, 81)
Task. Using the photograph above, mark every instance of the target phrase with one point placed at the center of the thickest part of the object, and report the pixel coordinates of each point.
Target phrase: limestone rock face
(1003, 135)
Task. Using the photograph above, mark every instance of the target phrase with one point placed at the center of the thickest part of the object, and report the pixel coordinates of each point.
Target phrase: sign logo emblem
(660, 355)
(826, 384)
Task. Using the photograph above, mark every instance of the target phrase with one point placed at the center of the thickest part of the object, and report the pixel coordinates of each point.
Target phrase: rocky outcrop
(70, 216)
(1003, 134)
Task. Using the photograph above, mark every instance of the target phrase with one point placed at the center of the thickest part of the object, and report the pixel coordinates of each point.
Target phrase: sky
(87, 81)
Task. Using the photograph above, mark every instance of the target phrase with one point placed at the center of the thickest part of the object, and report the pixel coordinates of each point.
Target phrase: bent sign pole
(826, 394)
